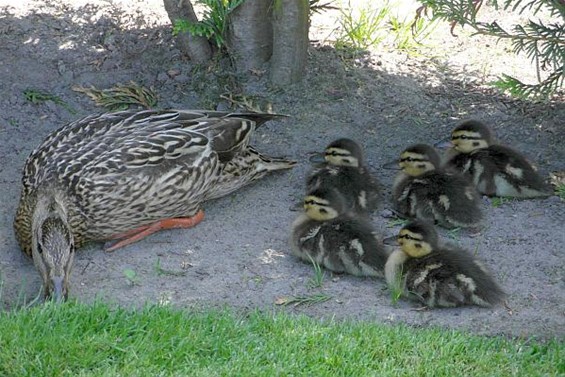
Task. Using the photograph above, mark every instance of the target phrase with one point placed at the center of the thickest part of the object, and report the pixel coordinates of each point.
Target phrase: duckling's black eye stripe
(337, 154)
(406, 236)
(313, 202)
(463, 137)
(411, 159)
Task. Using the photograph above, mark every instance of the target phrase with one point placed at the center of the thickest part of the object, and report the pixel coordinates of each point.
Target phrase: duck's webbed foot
(137, 234)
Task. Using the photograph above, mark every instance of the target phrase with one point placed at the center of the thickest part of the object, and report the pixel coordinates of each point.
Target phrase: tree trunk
(290, 41)
(250, 34)
(197, 48)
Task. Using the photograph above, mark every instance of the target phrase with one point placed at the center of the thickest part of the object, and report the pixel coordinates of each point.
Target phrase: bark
(197, 48)
(250, 34)
(290, 41)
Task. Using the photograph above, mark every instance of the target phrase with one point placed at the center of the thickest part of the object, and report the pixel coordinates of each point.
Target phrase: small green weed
(131, 277)
(319, 274)
(365, 27)
(163, 271)
(396, 291)
(302, 300)
(396, 222)
(37, 96)
(560, 191)
(214, 23)
(361, 28)
(497, 201)
(453, 233)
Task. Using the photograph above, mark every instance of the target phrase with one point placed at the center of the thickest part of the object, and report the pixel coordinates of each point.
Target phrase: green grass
(497, 201)
(317, 280)
(363, 28)
(560, 191)
(37, 96)
(79, 340)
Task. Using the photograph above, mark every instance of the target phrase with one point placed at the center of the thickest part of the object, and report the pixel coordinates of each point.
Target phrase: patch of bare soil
(239, 256)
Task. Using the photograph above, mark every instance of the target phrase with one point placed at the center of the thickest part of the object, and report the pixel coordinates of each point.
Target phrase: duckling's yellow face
(413, 244)
(467, 141)
(319, 209)
(415, 164)
(340, 157)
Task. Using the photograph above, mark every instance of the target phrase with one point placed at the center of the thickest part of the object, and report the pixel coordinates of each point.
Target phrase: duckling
(423, 190)
(343, 168)
(496, 170)
(336, 237)
(438, 276)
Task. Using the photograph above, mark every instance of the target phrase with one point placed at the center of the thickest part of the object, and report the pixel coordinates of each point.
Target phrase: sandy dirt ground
(239, 255)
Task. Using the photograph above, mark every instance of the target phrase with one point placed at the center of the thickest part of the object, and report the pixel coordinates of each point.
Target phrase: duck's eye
(463, 137)
(407, 159)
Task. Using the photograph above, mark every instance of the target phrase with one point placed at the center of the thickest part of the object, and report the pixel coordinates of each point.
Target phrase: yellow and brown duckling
(334, 236)
(423, 190)
(127, 174)
(438, 275)
(343, 168)
(496, 170)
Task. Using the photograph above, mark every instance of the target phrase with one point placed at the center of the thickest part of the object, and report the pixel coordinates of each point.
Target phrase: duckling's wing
(515, 168)
(432, 280)
(342, 179)
(475, 278)
(449, 199)
(460, 201)
(451, 276)
(357, 247)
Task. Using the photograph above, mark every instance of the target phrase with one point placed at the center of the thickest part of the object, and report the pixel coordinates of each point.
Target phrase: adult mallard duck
(342, 166)
(127, 174)
(423, 190)
(496, 170)
(438, 275)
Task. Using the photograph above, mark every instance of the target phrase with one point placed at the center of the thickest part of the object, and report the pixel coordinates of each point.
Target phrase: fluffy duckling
(496, 170)
(423, 190)
(337, 238)
(343, 168)
(438, 276)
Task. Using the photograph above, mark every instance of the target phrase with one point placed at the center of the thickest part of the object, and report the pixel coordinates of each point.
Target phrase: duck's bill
(391, 241)
(444, 143)
(58, 295)
(317, 158)
(391, 165)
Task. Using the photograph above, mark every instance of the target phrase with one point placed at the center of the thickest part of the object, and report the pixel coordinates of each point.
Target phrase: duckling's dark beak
(297, 207)
(58, 295)
(444, 143)
(391, 241)
(317, 158)
(391, 165)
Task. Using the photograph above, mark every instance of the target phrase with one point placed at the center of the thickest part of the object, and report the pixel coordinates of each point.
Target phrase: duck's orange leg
(137, 234)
